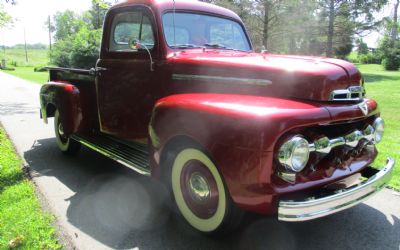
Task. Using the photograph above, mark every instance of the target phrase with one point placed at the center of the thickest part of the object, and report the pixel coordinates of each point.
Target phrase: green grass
(384, 87)
(36, 57)
(22, 223)
(27, 73)
(15, 58)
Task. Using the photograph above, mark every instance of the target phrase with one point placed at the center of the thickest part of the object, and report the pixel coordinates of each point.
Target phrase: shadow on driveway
(124, 210)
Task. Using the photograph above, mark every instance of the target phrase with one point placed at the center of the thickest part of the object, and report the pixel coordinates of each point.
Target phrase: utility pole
(26, 52)
(49, 33)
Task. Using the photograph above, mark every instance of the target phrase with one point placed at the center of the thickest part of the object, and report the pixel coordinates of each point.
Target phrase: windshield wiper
(218, 46)
(186, 46)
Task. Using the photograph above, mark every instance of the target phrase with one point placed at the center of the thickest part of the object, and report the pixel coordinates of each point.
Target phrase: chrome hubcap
(199, 188)
(61, 130)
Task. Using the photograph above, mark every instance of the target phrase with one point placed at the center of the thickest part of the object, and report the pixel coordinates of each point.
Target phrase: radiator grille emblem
(364, 107)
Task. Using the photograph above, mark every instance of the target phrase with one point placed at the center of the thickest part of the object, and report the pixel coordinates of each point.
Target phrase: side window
(129, 26)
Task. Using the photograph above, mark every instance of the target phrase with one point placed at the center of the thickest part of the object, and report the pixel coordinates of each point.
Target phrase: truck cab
(179, 94)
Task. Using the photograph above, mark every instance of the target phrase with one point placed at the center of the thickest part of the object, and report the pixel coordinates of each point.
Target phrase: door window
(130, 26)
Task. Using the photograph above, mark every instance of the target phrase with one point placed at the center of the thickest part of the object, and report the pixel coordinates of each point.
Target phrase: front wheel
(200, 193)
(65, 143)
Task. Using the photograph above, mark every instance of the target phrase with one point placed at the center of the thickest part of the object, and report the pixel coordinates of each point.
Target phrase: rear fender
(65, 98)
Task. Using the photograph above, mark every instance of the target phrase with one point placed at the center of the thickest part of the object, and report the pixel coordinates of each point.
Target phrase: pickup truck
(179, 94)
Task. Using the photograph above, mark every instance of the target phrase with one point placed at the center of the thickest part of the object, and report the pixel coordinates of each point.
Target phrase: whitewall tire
(200, 193)
(64, 143)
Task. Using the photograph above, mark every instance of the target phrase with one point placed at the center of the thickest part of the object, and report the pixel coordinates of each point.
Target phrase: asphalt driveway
(99, 204)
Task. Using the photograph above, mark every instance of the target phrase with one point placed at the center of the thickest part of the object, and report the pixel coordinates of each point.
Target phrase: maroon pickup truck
(179, 94)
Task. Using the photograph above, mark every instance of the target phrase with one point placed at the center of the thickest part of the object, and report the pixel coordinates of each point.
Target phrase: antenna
(173, 21)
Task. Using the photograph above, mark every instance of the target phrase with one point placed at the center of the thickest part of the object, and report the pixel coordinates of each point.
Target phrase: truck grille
(353, 93)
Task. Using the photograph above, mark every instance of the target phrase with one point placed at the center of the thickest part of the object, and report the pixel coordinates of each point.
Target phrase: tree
(66, 23)
(360, 13)
(77, 37)
(98, 13)
(5, 18)
(362, 47)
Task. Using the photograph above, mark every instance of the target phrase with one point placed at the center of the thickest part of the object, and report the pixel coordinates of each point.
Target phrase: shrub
(80, 50)
(370, 58)
(391, 62)
(40, 68)
(85, 49)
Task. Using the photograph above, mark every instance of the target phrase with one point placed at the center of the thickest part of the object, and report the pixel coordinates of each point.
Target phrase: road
(99, 204)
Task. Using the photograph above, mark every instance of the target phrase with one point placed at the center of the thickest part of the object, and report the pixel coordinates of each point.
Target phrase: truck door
(124, 78)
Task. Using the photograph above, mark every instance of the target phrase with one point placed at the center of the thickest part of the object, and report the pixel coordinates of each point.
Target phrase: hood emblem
(364, 107)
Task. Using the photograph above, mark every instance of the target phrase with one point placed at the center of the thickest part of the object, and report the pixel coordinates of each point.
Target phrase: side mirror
(135, 44)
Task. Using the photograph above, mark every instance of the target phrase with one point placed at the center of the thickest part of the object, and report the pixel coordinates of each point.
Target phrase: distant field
(384, 87)
(36, 57)
(15, 58)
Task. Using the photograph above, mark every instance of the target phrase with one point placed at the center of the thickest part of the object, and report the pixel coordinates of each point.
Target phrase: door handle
(98, 69)
(94, 71)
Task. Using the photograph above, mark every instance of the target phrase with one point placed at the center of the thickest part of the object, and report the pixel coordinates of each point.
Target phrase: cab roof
(186, 5)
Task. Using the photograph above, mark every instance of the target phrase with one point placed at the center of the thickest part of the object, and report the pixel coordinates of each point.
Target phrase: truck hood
(300, 77)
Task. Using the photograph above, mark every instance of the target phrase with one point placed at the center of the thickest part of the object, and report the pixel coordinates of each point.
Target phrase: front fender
(64, 97)
(238, 131)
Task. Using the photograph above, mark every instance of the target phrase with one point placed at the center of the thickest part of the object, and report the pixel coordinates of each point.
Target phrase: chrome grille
(353, 93)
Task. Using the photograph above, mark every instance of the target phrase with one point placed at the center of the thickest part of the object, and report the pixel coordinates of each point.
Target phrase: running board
(134, 156)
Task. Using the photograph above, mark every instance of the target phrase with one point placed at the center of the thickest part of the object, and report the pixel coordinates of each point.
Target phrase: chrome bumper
(312, 208)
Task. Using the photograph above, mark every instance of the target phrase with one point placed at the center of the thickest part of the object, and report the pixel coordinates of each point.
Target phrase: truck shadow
(124, 210)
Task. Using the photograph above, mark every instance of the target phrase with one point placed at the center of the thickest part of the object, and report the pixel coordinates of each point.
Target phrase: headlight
(294, 153)
(379, 126)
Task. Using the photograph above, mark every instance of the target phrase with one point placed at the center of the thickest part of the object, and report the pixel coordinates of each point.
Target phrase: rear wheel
(200, 193)
(65, 143)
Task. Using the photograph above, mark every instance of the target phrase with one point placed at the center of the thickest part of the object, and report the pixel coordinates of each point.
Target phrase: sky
(32, 15)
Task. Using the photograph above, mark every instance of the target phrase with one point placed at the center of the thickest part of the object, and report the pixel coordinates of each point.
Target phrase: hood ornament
(364, 107)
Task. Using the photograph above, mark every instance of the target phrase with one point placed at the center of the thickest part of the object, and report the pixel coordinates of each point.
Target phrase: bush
(80, 50)
(13, 63)
(390, 53)
(60, 54)
(8, 68)
(391, 62)
(41, 68)
(370, 58)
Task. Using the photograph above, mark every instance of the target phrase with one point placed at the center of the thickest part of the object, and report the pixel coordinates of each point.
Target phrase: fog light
(294, 153)
(379, 126)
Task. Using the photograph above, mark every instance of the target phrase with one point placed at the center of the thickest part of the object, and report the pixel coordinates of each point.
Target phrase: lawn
(16, 57)
(23, 224)
(27, 73)
(384, 87)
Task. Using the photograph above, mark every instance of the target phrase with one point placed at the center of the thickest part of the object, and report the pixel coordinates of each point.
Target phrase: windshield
(198, 30)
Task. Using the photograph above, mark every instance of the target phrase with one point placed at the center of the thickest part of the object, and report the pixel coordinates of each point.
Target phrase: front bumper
(312, 208)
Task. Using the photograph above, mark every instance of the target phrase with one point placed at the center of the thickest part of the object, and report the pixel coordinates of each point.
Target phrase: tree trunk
(329, 44)
(394, 32)
(266, 24)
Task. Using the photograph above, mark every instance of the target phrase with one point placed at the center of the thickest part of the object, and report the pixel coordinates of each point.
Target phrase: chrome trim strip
(184, 77)
(112, 156)
(311, 208)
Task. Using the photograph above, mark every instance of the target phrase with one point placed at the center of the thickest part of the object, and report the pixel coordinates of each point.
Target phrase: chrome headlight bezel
(379, 127)
(294, 153)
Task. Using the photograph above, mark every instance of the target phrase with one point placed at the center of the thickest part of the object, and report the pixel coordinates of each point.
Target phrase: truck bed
(71, 75)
